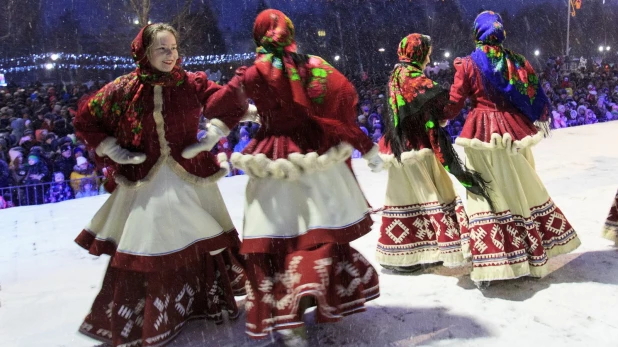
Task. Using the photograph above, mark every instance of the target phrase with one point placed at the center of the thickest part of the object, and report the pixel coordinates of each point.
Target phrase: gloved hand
(110, 148)
(213, 134)
(375, 162)
(251, 115)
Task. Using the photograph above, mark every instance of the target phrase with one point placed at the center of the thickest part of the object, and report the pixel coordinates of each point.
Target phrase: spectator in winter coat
(37, 170)
(244, 140)
(37, 173)
(19, 126)
(377, 133)
(59, 190)
(65, 161)
(591, 118)
(559, 120)
(88, 188)
(63, 128)
(17, 167)
(4, 174)
(82, 170)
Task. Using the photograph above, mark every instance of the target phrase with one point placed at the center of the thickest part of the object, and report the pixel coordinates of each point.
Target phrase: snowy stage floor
(48, 282)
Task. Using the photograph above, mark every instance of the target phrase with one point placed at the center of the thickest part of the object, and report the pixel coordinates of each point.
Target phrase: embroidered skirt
(527, 229)
(423, 220)
(295, 240)
(165, 238)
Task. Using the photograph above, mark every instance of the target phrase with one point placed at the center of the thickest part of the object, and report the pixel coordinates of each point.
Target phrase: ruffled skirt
(423, 220)
(491, 129)
(527, 229)
(165, 239)
(301, 211)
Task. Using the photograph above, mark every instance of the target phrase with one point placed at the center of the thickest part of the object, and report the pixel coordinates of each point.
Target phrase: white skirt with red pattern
(165, 237)
(423, 220)
(527, 228)
(610, 230)
(301, 212)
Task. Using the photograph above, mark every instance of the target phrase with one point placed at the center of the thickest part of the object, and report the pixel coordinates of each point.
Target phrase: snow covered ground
(48, 282)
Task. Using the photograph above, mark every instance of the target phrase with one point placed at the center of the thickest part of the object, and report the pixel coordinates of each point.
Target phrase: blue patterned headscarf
(505, 72)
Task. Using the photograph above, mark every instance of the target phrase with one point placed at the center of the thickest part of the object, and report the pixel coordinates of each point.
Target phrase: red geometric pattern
(339, 278)
(150, 309)
(427, 227)
(508, 239)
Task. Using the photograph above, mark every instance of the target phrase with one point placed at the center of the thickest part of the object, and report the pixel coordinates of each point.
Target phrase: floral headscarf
(123, 97)
(505, 72)
(407, 80)
(416, 107)
(273, 33)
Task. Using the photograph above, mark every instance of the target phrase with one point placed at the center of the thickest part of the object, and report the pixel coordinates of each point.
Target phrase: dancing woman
(524, 228)
(424, 220)
(303, 204)
(165, 225)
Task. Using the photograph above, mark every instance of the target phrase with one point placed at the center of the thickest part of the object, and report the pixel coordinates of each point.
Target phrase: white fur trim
(375, 150)
(219, 124)
(292, 168)
(104, 145)
(502, 142)
(166, 158)
(407, 158)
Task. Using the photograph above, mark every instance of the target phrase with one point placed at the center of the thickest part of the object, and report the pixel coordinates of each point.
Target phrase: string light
(63, 61)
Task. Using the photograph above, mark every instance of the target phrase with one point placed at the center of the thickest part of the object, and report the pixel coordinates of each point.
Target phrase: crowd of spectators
(41, 161)
(578, 97)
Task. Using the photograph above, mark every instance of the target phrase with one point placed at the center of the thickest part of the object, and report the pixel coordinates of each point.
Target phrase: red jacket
(489, 117)
(181, 110)
(287, 128)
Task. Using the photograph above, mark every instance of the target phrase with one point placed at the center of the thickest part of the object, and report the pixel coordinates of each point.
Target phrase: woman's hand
(213, 134)
(110, 148)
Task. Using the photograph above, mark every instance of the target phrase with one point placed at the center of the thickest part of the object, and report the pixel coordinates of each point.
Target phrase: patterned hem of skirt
(426, 256)
(501, 272)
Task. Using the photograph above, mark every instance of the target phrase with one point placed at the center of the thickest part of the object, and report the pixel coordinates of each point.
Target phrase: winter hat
(59, 174)
(78, 150)
(581, 108)
(561, 108)
(33, 157)
(36, 150)
(16, 152)
(81, 161)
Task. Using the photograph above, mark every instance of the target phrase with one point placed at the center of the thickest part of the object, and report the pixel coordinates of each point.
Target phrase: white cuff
(105, 145)
(219, 124)
(372, 152)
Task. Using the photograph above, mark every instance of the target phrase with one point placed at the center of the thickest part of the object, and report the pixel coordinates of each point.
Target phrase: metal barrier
(39, 194)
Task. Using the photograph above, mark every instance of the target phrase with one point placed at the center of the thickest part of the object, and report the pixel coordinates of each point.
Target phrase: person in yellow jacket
(82, 170)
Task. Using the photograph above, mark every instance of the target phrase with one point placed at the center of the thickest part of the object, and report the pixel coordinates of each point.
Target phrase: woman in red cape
(171, 240)
(303, 204)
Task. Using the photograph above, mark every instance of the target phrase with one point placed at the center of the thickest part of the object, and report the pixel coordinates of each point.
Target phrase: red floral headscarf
(123, 97)
(273, 33)
(407, 80)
